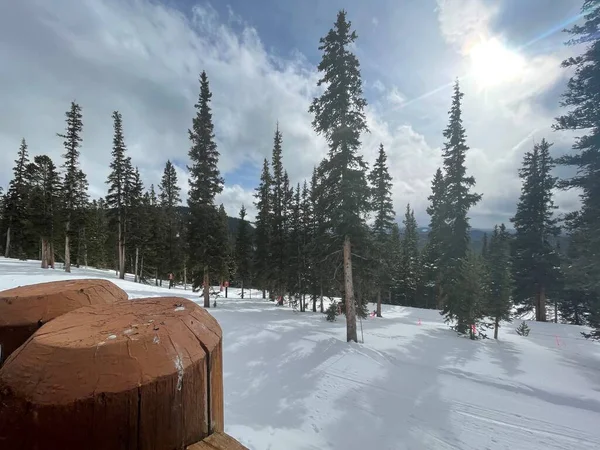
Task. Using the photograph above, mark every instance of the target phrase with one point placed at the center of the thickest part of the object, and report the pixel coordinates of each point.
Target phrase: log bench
(142, 374)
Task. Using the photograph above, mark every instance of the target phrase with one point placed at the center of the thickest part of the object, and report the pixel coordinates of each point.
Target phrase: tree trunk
(242, 288)
(543, 304)
(44, 253)
(226, 288)
(264, 293)
(496, 326)
(67, 248)
(121, 249)
(379, 303)
(135, 267)
(184, 277)
(156, 277)
(78, 259)
(321, 305)
(555, 311)
(51, 246)
(7, 249)
(141, 269)
(314, 302)
(206, 288)
(349, 292)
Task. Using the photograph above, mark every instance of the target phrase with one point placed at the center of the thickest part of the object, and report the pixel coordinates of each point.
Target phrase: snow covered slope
(291, 382)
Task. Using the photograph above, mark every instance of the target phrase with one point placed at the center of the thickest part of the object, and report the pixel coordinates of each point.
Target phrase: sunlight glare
(493, 64)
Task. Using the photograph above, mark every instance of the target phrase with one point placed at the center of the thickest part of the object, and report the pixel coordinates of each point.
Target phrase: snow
(292, 382)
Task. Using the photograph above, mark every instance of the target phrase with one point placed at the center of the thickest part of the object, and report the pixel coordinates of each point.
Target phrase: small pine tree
(170, 219)
(243, 251)
(523, 329)
(332, 312)
(409, 261)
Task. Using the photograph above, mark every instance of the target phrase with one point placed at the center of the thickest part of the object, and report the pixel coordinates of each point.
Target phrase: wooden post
(182, 386)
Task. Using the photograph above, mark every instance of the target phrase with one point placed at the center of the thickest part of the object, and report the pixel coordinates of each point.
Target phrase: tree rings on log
(142, 374)
(26, 308)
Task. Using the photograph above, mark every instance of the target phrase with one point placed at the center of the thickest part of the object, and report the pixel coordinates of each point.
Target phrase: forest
(336, 233)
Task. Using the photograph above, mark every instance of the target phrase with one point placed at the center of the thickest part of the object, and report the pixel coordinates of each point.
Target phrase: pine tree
(15, 206)
(395, 251)
(204, 225)
(306, 236)
(438, 235)
(339, 116)
(119, 182)
(98, 234)
(484, 246)
(581, 99)
(472, 307)
(457, 201)
(226, 256)
(294, 251)
(170, 199)
(74, 188)
(262, 256)
(535, 260)
(381, 183)
(279, 194)
(137, 221)
(409, 261)
(499, 282)
(243, 251)
(44, 202)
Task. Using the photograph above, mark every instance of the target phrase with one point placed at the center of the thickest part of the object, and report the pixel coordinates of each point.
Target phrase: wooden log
(142, 374)
(218, 441)
(26, 308)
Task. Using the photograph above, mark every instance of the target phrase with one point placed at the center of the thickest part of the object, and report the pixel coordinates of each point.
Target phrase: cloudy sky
(143, 58)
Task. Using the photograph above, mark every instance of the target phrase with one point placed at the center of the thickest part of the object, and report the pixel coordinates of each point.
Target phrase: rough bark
(379, 303)
(7, 249)
(349, 293)
(135, 269)
(496, 326)
(542, 303)
(44, 264)
(67, 250)
(206, 284)
(242, 283)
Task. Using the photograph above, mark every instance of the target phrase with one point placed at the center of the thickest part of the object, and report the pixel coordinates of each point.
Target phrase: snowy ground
(292, 382)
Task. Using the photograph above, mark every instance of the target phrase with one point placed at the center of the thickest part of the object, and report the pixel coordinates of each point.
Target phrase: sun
(493, 64)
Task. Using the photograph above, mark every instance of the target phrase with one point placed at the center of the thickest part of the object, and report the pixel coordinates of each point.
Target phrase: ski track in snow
(292, 382)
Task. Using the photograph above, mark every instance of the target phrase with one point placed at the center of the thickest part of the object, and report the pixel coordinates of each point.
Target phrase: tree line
(334, 234)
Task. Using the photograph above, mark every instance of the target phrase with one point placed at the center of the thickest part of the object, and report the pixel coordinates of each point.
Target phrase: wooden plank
(218, 441)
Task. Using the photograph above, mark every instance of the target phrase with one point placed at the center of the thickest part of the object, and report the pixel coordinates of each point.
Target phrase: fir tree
(409, 261)
(44, 202)
(279, 197)
(499, 283)
(137, 221)
(381, 183)
(306, 235)
(484, 246)
(74, 188)
(262, 256)
(204, 225)
(438, 234)
(457, 201)
(227, 259)
(243, 251)
(339, 116)
(119, 188)
(581, 100)
(98, 234)
(535, 260)
(170, 199)
(15, 205)
(395, 250)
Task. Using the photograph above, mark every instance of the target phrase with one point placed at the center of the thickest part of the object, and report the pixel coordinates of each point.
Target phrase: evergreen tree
(409, 261)
(484, 246)
(119, 188)
(438, 234)
(581, 99)
(44, 202)
(319, 240)
(458, 199)
(381, 183)
(137, 221)
(243, 251)
(499, 282)
(204, 225)
(170, 199)
(339, 116)
(294, 253)
(306, 235)
(15, 206)
(279, 197)
(472, 307)
(395, 250)
(535, 260)
(74, 188)
(98, 234)
(262, 256)
(227, 258)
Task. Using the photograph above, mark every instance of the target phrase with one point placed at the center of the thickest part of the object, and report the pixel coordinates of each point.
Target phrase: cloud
(143, 58)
